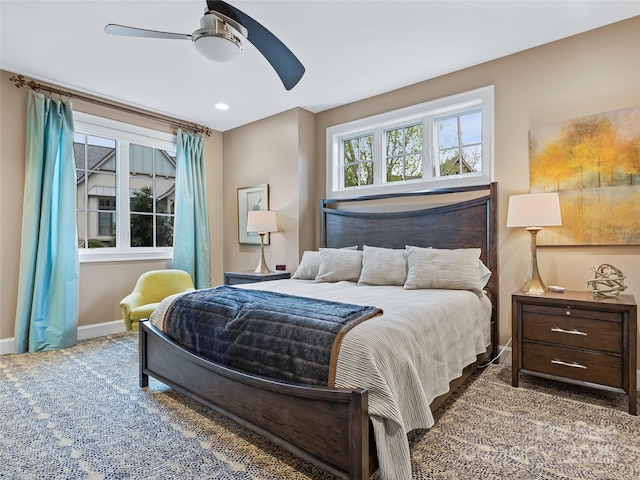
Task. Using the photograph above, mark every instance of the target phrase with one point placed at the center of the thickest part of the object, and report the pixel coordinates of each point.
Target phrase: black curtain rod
(20, 81)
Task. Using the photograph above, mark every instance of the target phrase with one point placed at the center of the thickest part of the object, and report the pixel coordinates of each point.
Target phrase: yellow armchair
(151, 288)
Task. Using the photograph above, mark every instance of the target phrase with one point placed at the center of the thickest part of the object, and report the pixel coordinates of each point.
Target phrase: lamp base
(262, 265)
(533, 285)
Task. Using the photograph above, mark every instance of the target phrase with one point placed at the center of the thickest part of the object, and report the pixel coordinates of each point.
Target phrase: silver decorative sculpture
(608, 281)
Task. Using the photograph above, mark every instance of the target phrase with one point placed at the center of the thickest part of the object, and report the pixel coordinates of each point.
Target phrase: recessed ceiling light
(222, 106)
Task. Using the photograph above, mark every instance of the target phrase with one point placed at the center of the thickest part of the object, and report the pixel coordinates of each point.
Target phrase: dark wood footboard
(335, 437)
(328, 427)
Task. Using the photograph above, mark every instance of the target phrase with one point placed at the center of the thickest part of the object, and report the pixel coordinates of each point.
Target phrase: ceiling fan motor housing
(216, 40)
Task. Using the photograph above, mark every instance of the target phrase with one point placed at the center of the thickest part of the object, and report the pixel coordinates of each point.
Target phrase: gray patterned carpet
(79, 414)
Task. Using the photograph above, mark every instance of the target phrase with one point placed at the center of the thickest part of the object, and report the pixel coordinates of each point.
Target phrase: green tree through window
(143, 225)
(404, 153)
(358, 161)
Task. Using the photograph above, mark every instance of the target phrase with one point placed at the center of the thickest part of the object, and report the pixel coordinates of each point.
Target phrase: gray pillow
(310, 263)
(444, 269)
(339, 264)
(484, 273)
(383, 266)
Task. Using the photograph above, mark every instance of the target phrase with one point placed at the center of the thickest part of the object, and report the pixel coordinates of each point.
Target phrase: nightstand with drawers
(577, 337)
(236, 278)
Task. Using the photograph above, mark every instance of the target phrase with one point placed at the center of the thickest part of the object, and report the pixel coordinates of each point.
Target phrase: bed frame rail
(276, 410)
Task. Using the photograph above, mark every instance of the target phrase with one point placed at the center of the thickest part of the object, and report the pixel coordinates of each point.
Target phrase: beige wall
(13, 118)
(102, 285)
(590, 73)
(279, 151)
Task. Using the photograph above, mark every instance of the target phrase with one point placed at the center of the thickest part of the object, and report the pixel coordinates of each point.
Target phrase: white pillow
(445, 269)
(483, 271)
(310, 263)
(339, 264)
(383, 266)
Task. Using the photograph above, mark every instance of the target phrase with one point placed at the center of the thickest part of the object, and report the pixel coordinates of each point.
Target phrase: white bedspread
(405, 357)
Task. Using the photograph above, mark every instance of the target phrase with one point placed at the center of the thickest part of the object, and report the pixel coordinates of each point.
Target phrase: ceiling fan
(219, 39)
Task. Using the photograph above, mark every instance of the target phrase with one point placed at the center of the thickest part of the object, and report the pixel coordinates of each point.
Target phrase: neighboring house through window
(126, 189)
(442, 143)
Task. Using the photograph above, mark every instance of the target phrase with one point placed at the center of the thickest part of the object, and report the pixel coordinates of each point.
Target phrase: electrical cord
(497, 356)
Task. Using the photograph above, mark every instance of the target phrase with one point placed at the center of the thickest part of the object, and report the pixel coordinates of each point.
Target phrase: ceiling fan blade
(114, 29)
(284, 62)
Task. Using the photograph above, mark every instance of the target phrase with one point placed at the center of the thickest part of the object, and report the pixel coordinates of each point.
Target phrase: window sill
(124, 256)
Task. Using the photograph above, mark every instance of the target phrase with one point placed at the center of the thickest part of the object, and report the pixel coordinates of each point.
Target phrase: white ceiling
(351, 49)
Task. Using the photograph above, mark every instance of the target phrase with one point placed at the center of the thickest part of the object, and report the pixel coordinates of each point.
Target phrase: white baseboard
(100, 329)
(8, 345)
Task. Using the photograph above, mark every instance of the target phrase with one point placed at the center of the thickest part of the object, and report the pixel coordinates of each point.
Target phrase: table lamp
(534, 211)
(261, 222)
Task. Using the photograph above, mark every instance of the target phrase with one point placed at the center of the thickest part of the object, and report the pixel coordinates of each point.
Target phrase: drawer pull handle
(567, 364)
(568, 312)
(570, 332)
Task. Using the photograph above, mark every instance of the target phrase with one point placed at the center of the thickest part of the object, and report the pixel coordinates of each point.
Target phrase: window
(125, 190)
(442, 143)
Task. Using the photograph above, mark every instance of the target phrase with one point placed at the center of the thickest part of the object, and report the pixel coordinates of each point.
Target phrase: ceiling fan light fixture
(216, 40)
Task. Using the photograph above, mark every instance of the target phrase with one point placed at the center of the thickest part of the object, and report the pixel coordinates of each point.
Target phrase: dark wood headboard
(465, 217)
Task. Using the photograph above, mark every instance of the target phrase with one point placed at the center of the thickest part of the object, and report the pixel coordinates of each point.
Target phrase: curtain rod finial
(19, 80)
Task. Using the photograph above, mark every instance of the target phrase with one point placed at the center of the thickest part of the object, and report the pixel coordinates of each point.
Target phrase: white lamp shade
(534, 210)
(261, 221)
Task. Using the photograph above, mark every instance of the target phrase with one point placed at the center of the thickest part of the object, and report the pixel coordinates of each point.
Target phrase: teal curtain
(47, 309)
(191, 247)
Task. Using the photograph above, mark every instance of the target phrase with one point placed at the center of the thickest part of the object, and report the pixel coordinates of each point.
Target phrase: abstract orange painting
(593, 163)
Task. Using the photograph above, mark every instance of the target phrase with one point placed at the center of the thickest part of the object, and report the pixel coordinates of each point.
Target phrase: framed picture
(251, 198)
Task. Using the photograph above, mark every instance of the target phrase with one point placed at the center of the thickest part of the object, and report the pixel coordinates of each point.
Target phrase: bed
(331, 427)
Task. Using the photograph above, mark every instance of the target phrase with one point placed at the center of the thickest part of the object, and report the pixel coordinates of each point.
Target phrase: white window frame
(124, 134)
(426, 113)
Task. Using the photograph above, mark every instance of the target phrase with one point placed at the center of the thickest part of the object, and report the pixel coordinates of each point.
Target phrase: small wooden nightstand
(236, 278)
(577, 337)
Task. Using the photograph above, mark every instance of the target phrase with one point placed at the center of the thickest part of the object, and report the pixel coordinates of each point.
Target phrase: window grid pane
(164, 231)
(142, 230)
(358, 161)
(404, 147)
(459, 141)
